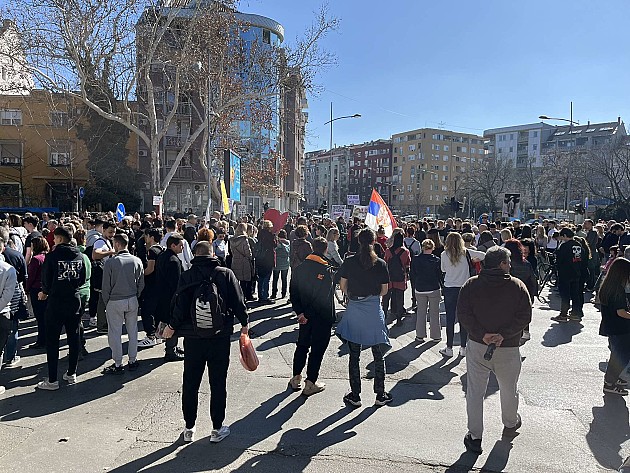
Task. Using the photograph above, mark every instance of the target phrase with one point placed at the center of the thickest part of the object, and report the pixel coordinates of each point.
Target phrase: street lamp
(331, 121)
(571, 123)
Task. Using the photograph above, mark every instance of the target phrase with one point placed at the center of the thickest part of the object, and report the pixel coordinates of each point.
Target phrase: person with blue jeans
(456, 263)
(265, 259)
(281, 269)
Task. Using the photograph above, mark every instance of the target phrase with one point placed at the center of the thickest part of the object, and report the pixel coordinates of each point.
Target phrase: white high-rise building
(14, 76)
(518, 143)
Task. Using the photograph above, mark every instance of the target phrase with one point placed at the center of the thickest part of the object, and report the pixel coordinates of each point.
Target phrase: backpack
(208, 309)
(96, 278)
(395, 267)
(409, 247)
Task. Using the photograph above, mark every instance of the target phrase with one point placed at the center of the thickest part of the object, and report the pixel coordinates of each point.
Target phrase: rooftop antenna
(441, 125)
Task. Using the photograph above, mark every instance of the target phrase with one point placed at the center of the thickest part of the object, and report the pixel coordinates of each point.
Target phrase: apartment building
(42, 162)
(427, 166)
(370, 167)
(326, 177)
(518, 144)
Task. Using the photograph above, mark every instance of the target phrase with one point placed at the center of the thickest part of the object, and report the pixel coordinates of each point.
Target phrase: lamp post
(331, 121)
(571, 123)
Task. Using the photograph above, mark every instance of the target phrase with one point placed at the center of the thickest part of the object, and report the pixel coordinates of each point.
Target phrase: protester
(265, 260)
(500, 324)
(242, 260)
(426, 274)
(332, 252)
(521, 268)
(364, 279)
(456, 263)
(398, 262)
(39, 249)
(281, 269)
(312, 301)
(63, 273)
(123, 282)
(8, 282)
(615, 324)
(168, 268)
(200, 352)
(569, 263)
(150, 294)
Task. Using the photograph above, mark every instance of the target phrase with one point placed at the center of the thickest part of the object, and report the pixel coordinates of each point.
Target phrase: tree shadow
(561, 333)
(608, 431)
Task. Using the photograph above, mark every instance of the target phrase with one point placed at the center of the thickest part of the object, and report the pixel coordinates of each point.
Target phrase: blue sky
(470, 65)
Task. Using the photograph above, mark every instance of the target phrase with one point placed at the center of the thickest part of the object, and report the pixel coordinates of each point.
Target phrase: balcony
(173, 141)
(183, 173)
(523, 137)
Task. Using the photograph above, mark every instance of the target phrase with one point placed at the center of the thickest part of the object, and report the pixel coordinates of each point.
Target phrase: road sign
(81, 192)
(120, 211)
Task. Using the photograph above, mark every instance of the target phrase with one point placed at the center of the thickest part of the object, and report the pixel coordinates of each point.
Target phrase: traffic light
(460, 206)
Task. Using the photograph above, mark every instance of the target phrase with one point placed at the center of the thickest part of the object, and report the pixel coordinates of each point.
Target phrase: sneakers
(446, 352)
(419, 339)
(311, 388)
(615, 389)
(71, 378)
(296, 382)
(47, 385)
(174, 356)
(383, 398)
(462, 351)
(575, 317)
(14, 362)
(352, 399)
(113, 369)
(510, 431)
(189, 435)
(92, 322)
(622, 382)
(147, 342)
(473, 445)
(133, 365)
(526, 335)
(560, 318)
(217, 435)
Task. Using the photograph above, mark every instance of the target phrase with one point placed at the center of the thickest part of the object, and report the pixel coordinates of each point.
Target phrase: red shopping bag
(248, 356)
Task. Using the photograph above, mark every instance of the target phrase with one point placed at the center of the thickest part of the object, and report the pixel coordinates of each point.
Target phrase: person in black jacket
(213, 352)
(63, 272)
(426, 275)
(312, 301)
(569, 257)
(168, 269)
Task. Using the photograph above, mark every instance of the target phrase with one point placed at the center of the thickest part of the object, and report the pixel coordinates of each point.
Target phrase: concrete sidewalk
(133, 422)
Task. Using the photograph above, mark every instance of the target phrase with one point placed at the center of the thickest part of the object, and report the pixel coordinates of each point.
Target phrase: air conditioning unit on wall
(143, 153)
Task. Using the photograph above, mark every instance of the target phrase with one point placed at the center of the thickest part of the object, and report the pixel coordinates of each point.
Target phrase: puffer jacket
(283, 251)
(300, 249)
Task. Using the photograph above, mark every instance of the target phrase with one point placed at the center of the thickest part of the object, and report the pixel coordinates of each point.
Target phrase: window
(409, 188)
(464, 149)
(445, 168)
(535, 147)
(535, 134)
(395, 168)
(473, 150)
(511, 136)
(59, 153)
(590, 130)
(10, 117)
(412, 147)
(267, 36)
(607, 128)
(511, 149)
(59, 119)
(445, 147)
(445, 178)
(10, 153)
(500, 150)
(411, 157)
(445, 158)
(444, 188)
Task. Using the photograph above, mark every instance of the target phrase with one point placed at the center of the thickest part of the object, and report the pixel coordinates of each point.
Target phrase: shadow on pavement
(499, 455)
(464, 464)
(608, 431)
(298, 446)
(426, 383)
(561, 333)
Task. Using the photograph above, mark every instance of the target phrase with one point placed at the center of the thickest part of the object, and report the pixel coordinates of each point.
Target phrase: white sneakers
(71, 378)
(47, 385)
(92, 322)
(148, 342)
(217, 435)
(14, 362)
(189, 435)
(462, 351)
(446, 352)
(526, 335)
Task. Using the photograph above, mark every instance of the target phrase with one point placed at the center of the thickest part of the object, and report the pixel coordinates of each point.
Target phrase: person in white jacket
(8, 280)
(332, 253)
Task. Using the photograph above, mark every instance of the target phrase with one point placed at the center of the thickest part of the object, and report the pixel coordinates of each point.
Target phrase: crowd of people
(191, 278)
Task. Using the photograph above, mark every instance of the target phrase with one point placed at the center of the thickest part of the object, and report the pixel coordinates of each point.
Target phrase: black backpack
(208, 309)
(96, 278)
(395, 267)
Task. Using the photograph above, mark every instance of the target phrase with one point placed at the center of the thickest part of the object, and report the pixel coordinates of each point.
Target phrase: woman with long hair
(522, 269)
(615, 324)
(398, 262)
(434, 235)
(456, 263)
(426, 275)
(485, 241)
(33, 287)
(364, 279)
(332, 253)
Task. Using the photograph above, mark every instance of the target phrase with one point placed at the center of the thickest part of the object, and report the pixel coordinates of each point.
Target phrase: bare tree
(137, 61)
(608, 174)
(487, 181)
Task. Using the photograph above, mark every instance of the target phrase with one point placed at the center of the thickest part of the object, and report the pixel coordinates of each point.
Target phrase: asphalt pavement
(133, 422)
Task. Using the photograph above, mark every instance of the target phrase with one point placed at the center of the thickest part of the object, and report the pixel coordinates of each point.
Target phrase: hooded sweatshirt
(494, 302)
(63, 272)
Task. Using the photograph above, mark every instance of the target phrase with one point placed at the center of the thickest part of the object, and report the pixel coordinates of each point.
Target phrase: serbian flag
(379, 215)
